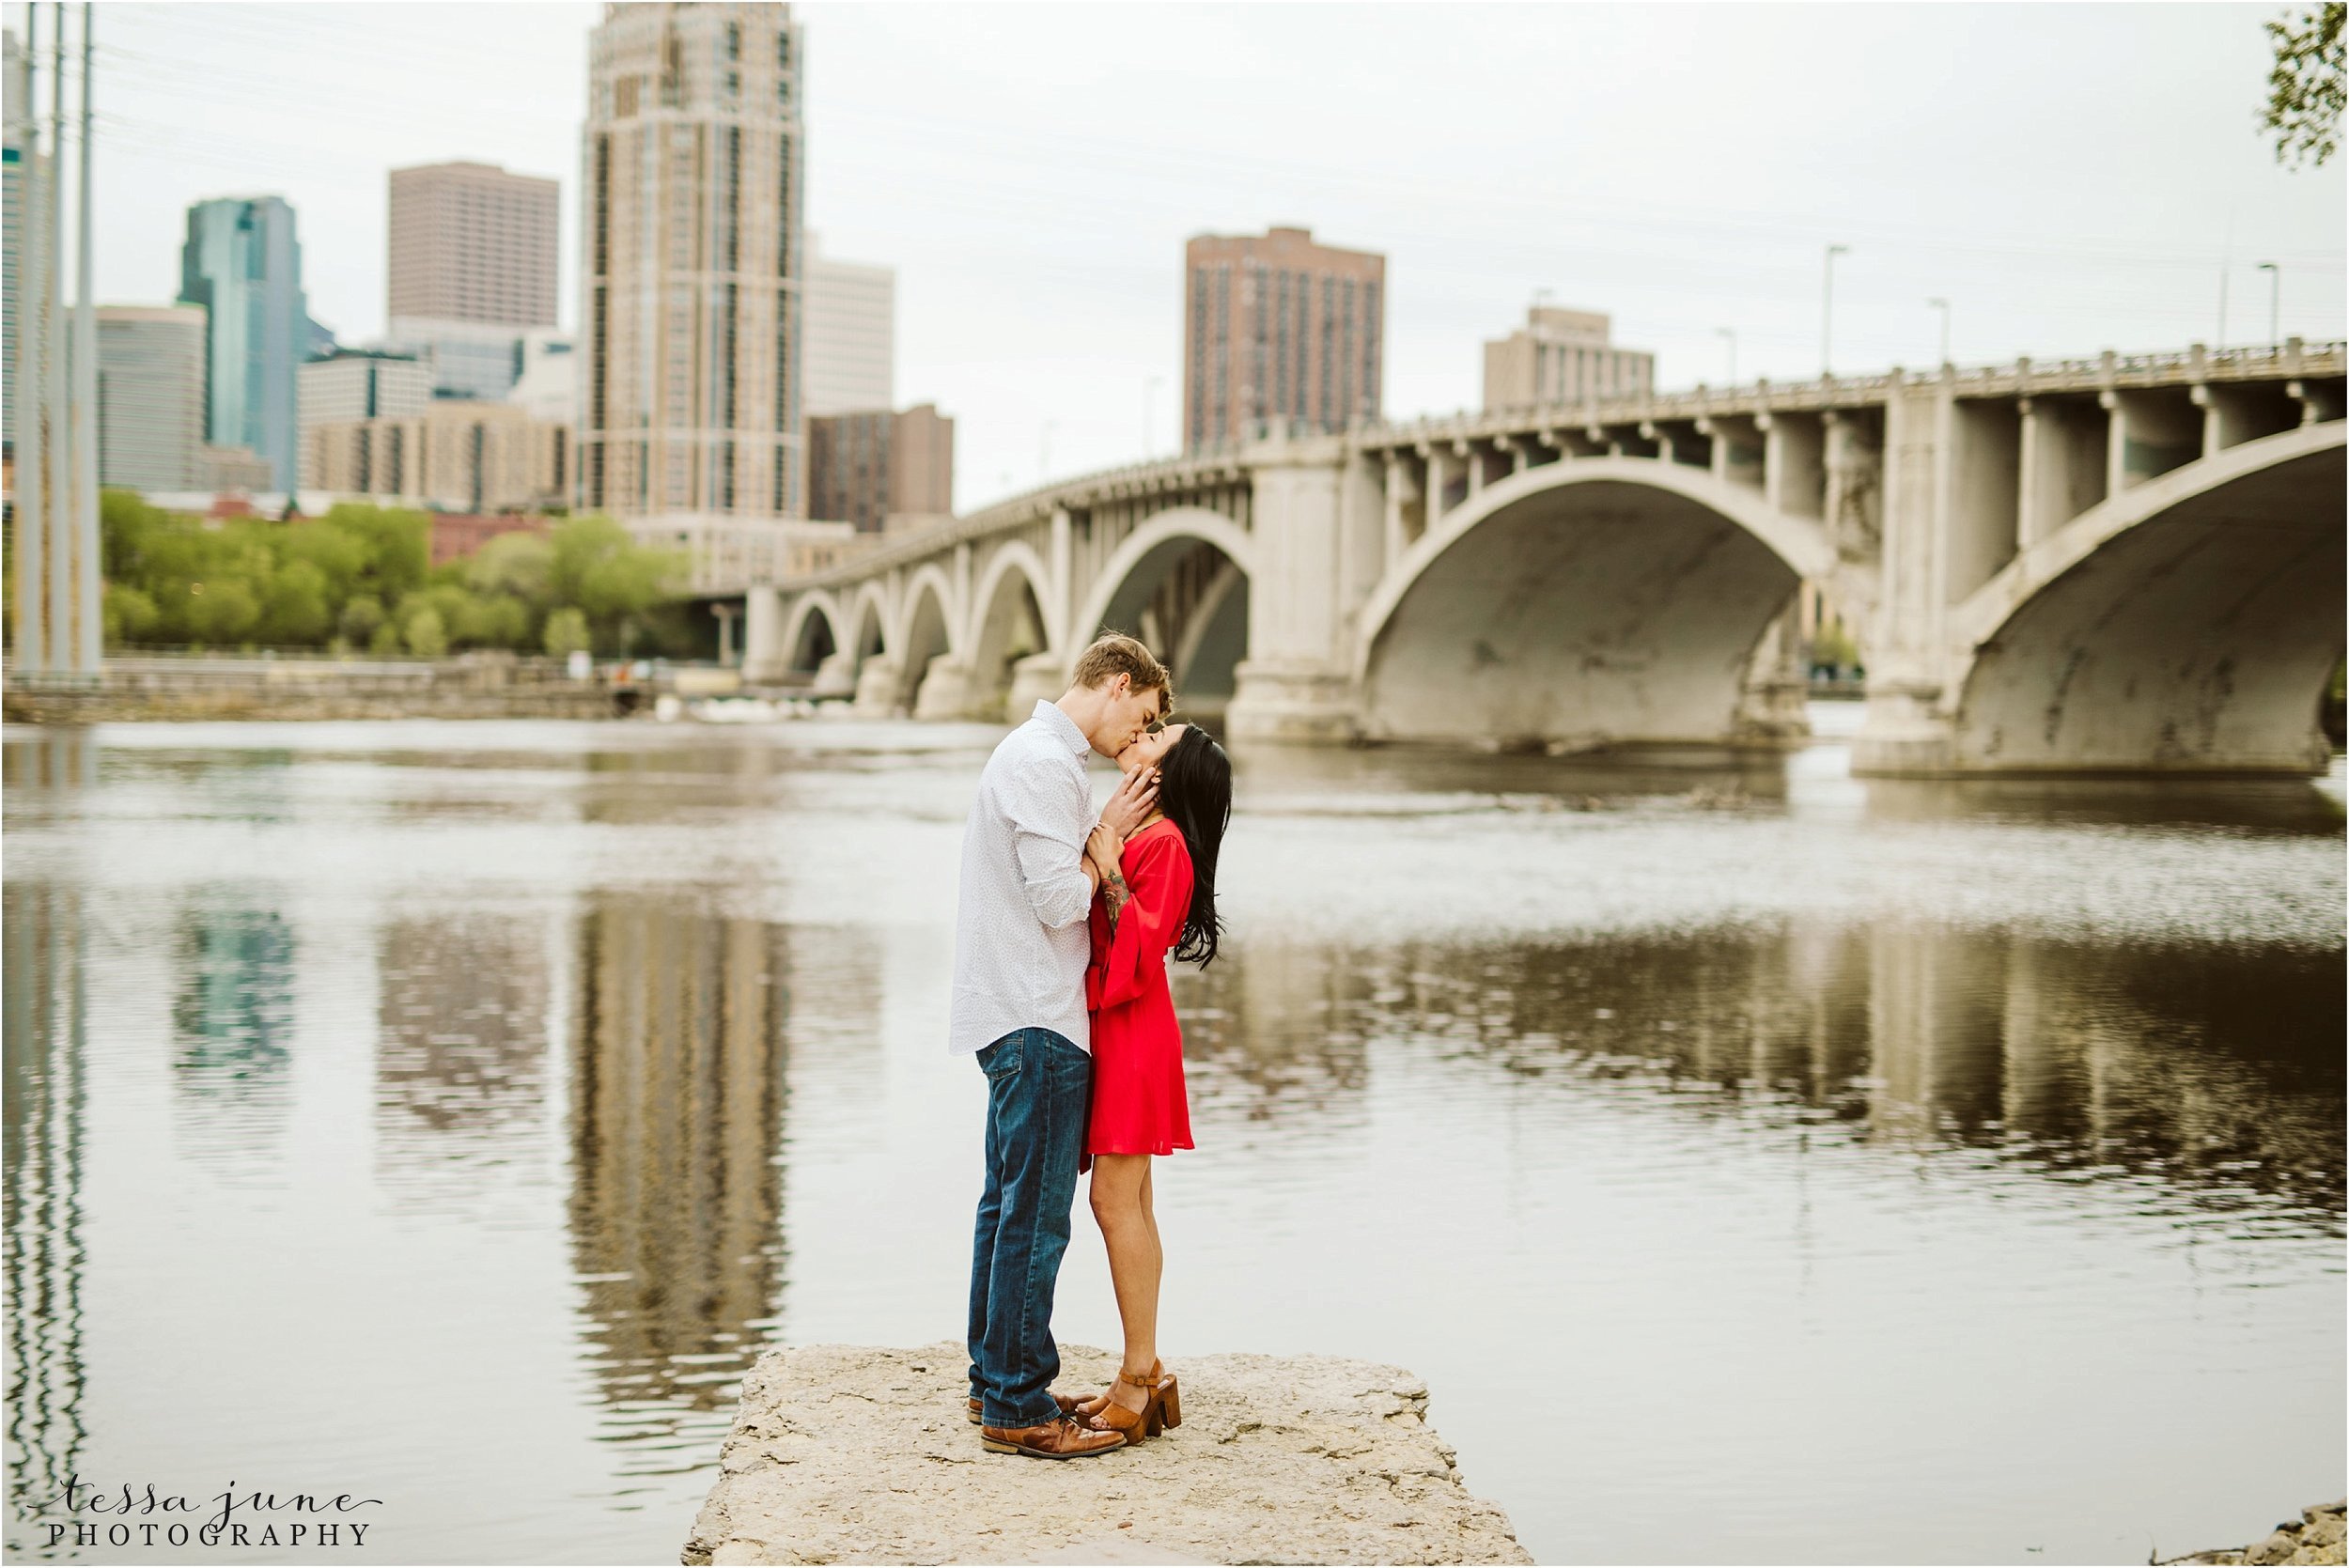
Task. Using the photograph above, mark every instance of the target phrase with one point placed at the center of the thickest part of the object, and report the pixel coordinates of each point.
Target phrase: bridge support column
(764, 657)
(947, 689)
(835, 676)
(1774, 708)
(1905, 731)
(1039, 677)
(877, 685)
(1296, 683)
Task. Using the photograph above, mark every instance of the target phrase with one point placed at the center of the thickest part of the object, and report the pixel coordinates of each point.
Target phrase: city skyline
(1033, 177)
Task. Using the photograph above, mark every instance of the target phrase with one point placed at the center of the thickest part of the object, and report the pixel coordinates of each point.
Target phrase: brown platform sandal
(1158, 1411)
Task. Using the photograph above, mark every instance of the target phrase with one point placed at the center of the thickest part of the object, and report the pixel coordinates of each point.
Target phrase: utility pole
(2274, 300)
(1826, 312)
(56, 439)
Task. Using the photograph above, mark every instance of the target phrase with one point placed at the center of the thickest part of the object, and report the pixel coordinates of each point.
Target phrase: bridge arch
(2187, 624)
(1180, 582)
(814, 633)
(1583, 603)
(869, 622)
(1012, 616)
(929, 624)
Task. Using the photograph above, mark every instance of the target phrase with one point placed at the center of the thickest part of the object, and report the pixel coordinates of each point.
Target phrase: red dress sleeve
(1158, 876)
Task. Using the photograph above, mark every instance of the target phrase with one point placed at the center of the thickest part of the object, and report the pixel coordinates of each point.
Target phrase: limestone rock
(852, 1453)
(2316, 1537)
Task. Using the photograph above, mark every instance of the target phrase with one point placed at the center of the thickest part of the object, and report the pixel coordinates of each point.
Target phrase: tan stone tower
(689, 267)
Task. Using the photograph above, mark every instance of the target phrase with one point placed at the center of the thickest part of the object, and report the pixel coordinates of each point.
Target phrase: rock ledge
(852, 1454)
(2315, 1536)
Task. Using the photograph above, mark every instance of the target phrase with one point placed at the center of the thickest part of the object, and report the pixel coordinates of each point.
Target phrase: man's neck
(1083, 709)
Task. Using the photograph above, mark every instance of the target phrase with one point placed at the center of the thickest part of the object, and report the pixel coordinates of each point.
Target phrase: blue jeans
(1038, 1084)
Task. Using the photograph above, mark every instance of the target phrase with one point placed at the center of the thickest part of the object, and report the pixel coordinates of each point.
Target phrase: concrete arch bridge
(2132, 562)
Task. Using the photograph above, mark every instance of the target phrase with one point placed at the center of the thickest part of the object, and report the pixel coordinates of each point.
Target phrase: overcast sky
(2070, 177)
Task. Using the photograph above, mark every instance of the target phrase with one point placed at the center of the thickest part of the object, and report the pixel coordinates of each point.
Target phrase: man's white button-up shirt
(1021, 933)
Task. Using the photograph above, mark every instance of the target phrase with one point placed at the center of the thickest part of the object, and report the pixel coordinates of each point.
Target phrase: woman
(1159, 895)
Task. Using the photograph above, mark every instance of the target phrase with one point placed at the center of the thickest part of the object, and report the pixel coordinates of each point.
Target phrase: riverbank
(2316, 1536)
(852, 1454)
(468, 686)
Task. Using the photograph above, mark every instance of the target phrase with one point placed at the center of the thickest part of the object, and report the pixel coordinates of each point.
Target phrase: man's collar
(1064, 726)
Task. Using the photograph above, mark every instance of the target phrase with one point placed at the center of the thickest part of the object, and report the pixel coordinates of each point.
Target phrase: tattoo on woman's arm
(1113, 893)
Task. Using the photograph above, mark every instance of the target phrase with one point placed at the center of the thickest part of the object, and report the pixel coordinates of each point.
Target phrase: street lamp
(1730, 333)
(1943, 307)
(1827, 311)
(2274, 294)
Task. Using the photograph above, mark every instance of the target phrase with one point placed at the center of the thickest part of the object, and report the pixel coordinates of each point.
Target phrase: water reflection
(677, 1098)
(2213, 1068)
(45, 1114)
(232, 1019)
(461, 1050)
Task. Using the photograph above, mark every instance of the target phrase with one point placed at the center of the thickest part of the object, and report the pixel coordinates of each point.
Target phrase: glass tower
(242, 264)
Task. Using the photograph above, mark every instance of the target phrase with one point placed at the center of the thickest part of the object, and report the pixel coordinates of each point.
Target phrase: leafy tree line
(358, 580)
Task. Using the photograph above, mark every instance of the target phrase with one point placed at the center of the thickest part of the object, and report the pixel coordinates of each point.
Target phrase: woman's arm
(1158, 874)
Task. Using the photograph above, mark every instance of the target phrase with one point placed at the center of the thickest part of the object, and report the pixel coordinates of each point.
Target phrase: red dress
(1139, 1106)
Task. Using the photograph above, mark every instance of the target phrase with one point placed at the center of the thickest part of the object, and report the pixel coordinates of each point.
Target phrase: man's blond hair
(1117, 654)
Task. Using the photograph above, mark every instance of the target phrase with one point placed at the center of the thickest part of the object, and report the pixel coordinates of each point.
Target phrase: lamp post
(1827, 311)
(1731, 333)
(2275, 296)
(1943, 307)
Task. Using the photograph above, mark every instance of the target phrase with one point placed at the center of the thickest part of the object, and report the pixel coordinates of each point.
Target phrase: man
(1020, 948)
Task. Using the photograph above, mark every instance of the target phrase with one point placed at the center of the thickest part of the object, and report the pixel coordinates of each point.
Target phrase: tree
(128, 613)
(294, 611)
(360, 618)
(566, 633)
(426, 639)
(2305, 92)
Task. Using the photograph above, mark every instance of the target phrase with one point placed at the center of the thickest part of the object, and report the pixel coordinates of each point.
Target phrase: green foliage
(360, 577)
(2305, 94)
(566, 633)
(425, 637)
(1832, 648)
(128, 613)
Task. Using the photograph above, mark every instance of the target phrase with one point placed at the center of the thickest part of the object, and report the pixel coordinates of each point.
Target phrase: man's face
(1128, 716)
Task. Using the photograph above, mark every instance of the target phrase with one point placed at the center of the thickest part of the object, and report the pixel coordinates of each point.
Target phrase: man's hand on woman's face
(1137, 792)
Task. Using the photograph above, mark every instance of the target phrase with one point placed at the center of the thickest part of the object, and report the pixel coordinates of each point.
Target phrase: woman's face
(1151, 749)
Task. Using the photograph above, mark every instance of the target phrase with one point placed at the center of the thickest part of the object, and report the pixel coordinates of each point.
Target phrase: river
(1760, 1164)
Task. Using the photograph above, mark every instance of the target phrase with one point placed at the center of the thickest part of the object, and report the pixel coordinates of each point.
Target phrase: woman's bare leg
(1130, 1233)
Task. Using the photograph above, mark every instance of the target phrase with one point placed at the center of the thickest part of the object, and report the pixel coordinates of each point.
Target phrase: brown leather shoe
(1061, 1437)
(1068, 1404)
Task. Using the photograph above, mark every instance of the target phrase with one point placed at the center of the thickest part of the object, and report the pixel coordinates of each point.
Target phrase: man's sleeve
(1050, 818)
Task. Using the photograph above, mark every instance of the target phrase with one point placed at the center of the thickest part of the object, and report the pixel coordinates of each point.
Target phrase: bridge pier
(1041, 677)
(878, 680)
(948, 689)
(763, 654)
(835, 676)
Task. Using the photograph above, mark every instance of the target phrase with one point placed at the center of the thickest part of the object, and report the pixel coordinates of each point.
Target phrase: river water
(1759, 1164)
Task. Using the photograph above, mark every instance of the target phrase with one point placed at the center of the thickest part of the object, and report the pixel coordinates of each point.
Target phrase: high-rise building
(359, 383)
(471, 242)
(150, 396)
(869, 467)
(1562, 356)
(850, 358)
(456, 457)
(1279, 335)
(242, 264)
(689, 396)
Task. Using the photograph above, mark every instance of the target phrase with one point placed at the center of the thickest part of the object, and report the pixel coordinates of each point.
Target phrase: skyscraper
(689, 396)
(150, 396)
(1279, 334)
(850, 360)
(866, 468)
(471, 242)
(243, 265)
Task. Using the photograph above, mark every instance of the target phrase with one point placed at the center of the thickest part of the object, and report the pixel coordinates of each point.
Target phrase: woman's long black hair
(1196, 794)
